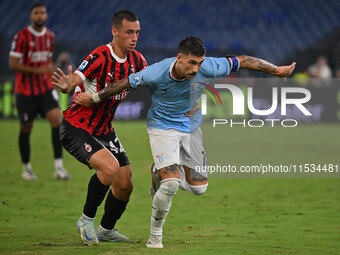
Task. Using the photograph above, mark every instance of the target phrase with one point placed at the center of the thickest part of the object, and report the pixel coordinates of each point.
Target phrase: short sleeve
(18, 46)
(215, 67)
(90, 68)
(144, 78)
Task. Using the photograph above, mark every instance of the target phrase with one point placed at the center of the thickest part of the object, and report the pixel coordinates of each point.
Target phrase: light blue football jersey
(171, 98)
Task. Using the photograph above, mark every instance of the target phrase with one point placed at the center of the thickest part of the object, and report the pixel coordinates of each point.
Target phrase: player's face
(38, 16)
(126, 35)
(189, 65)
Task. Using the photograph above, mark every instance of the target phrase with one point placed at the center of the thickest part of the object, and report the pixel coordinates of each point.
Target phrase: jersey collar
(120, 60)
(36, 33)
(170, 69)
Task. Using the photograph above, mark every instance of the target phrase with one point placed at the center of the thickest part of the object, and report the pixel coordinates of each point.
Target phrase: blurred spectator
(320, 69)
(337, 73)
(63, 61)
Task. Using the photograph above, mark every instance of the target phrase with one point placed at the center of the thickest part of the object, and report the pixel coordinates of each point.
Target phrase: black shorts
(30, 106)
(82, 145)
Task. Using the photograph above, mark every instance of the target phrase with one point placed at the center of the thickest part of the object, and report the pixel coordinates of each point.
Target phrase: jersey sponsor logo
(88, 147)
(39, 56)
(121, 95)
(83, 65)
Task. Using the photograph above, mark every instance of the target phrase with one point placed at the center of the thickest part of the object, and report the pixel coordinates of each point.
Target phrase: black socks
(57, 148)
(114, 208)
(24, 146)
(95, 195)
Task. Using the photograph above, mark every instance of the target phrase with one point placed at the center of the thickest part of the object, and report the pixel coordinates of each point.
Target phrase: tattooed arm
(261, 65)
(88, 99)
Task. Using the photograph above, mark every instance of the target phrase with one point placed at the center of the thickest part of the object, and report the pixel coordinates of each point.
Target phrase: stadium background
(246, 216)
(278, 31)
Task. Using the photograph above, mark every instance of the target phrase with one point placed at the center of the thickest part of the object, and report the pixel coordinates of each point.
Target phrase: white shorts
(170, 146)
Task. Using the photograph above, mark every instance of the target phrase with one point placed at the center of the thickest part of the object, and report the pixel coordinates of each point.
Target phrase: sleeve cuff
(133, 81)
(15, 54)
(82, 76)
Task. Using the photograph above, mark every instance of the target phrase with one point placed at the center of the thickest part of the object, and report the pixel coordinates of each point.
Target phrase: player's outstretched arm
(65, 82)
(88, 99)
(261, 65)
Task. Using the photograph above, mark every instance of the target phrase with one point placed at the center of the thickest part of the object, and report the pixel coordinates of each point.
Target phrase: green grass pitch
(236, 216)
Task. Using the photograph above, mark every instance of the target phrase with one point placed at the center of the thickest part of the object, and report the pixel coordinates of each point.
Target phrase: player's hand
(285, 71)
(84, 99)
(193, 111)
(61, 80)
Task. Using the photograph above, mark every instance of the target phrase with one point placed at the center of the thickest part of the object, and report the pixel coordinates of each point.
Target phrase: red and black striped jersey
(97, 71)
(34, 49)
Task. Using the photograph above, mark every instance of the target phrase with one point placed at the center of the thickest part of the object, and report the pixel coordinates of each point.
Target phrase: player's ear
(114, 31)
(179, 57)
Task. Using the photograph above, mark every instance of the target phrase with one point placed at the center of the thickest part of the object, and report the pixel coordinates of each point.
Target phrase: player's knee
(169, 186)
(125, 188)
(197, 189)
(26, 127)
(108, 172)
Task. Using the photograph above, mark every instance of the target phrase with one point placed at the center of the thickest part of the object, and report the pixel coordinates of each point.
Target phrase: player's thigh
(49, 107)
(105, 164)
(113, 145)
(54, 117)
(165, 146)
(193, 158)
(27, 107)
(123, 172)
(79, 143)
(89, 151)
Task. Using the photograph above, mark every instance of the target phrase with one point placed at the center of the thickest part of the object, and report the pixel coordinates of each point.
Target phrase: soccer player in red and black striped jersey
(30, 56)
(87, 133)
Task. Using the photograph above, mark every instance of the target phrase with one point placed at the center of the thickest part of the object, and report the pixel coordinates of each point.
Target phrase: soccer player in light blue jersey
(174, 119)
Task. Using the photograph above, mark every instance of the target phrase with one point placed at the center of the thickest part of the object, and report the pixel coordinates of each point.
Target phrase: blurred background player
(320, 69)
(174, 120)
(88, 135)
(30, 56)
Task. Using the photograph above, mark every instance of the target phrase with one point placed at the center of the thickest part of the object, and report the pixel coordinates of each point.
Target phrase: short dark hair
(118, 17)
(192, 45)
(37, 4)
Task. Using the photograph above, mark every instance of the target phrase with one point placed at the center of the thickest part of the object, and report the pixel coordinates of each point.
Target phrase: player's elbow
(11, 65)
